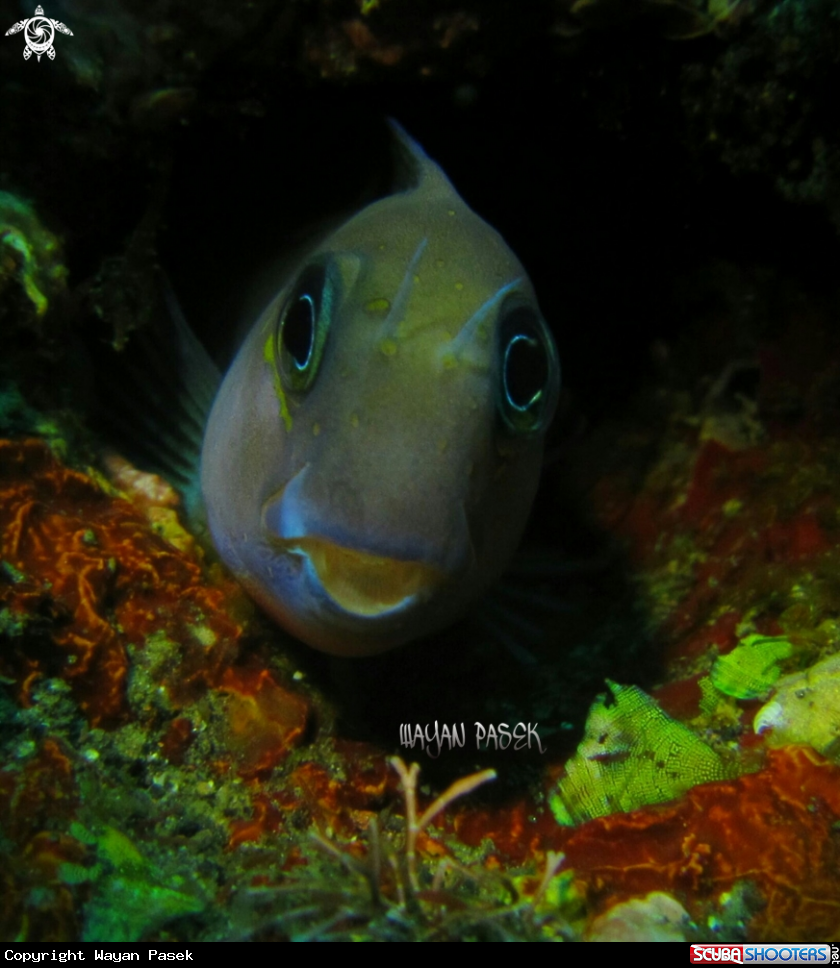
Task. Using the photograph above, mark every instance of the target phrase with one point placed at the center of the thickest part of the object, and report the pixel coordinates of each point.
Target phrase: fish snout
(354, 577)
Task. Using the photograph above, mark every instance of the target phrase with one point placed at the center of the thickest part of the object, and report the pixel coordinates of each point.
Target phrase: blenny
(373, 452)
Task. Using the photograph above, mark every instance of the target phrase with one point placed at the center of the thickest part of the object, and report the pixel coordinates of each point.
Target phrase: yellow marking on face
(380, 305)
(354, 419)
(388, 347)
(459, 286)
(270, 357)
(316, 429)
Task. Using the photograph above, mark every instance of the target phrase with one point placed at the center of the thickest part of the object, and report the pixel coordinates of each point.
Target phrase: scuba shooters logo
(765, 954)
(39, 32)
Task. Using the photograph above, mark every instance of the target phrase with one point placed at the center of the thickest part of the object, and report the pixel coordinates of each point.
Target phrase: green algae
(128, 909)
(29, 253)
(392, 892)
(632, 755)
(18, 418)
(15, 575)
(750, 670)
(130, 900)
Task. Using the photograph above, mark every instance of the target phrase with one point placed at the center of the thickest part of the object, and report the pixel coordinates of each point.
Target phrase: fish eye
(529, 374)
(302, 327)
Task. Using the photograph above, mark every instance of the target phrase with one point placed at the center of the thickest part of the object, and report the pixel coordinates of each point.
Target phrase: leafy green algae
(750, 670)
(632, 754)
(30, 253)
(129, 900)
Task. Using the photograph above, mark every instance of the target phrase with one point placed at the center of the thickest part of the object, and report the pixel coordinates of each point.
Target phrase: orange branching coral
(88, 577)
(343, 802)
(60, 574)
(774, 828)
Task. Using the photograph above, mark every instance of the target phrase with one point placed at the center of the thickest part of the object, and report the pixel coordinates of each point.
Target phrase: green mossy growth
(750, 670)
(29, 253)
(128, 909)
(129, 900)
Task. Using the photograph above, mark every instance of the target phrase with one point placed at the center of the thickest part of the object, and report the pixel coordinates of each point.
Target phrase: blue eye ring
(303, 324)
(529, 372)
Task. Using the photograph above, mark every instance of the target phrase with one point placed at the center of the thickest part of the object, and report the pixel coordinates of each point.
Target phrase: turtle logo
(38, 32)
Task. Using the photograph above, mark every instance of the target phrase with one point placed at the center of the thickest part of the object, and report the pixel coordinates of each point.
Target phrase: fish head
(373, 453)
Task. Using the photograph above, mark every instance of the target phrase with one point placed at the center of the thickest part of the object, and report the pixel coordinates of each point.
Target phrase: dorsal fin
(414, 170)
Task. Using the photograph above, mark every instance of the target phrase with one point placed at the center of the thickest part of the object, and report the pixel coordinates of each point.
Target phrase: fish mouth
(361, 583)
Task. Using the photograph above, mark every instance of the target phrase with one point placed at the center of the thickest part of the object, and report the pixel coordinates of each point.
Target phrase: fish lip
(289, 517)
(359, 584)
